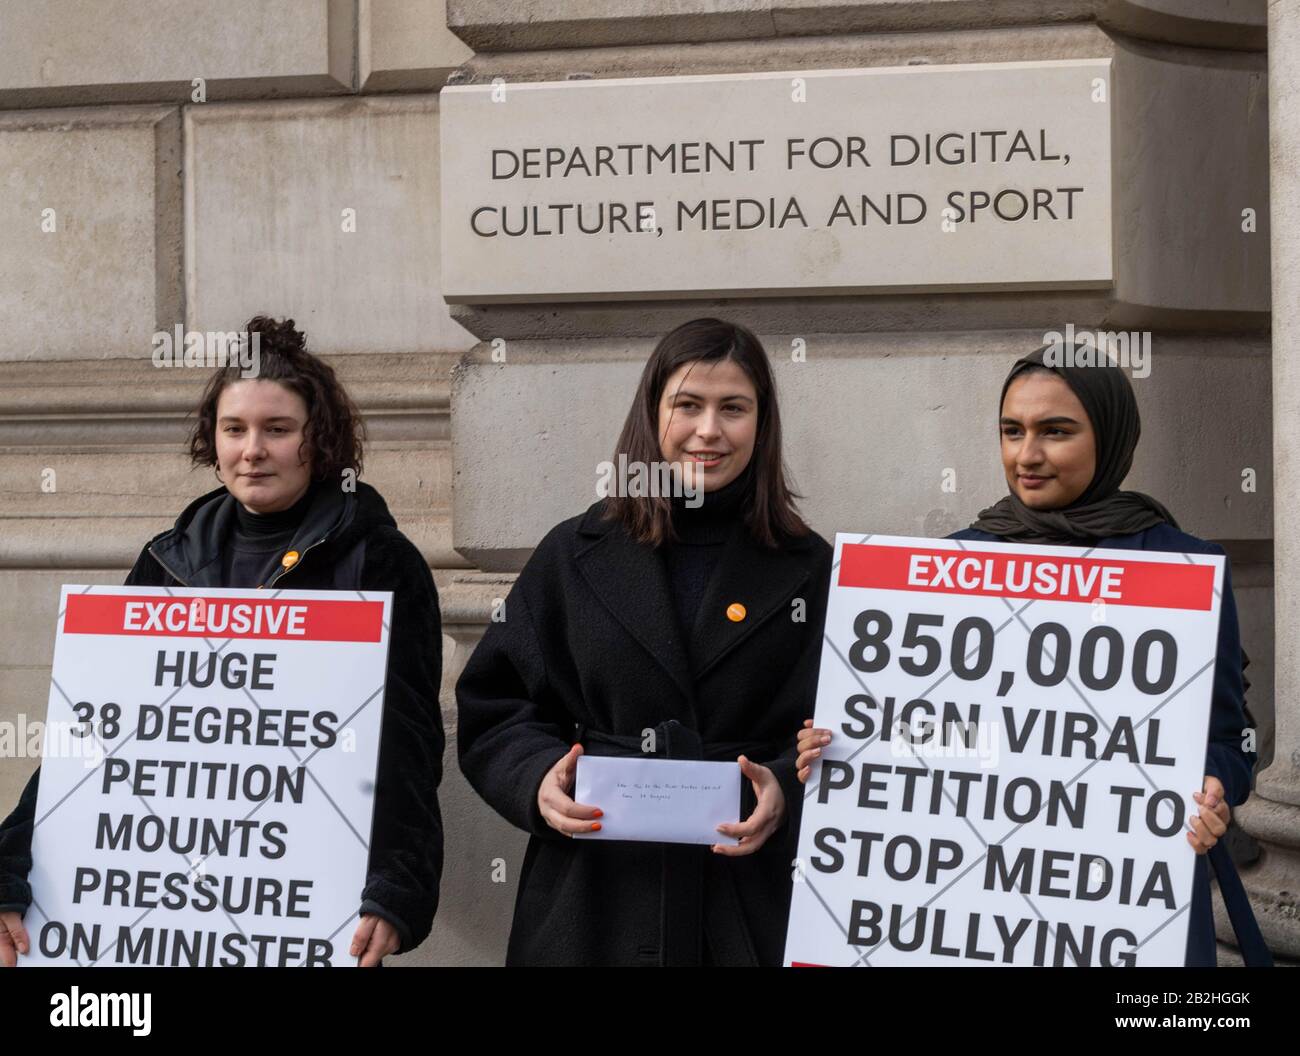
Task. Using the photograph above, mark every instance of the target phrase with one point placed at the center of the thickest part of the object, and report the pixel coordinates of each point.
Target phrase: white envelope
(661, 800)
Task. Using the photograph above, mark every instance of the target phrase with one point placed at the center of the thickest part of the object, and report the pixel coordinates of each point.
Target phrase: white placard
(206, 799)
(1017, 734)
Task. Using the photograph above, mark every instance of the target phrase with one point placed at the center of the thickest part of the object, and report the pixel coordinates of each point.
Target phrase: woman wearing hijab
(290, 514)
(1068, 436)
(665, 627)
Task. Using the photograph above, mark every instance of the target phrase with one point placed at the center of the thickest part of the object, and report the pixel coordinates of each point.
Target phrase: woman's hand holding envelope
(767, 817)
(562, 813)
(558, 809)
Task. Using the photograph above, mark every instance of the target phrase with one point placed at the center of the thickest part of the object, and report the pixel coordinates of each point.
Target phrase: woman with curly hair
(286, 446)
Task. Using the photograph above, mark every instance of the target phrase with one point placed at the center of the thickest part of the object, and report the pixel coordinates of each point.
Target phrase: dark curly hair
(334, 434)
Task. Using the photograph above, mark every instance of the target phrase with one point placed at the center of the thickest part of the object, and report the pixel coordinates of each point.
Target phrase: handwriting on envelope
(661, 800)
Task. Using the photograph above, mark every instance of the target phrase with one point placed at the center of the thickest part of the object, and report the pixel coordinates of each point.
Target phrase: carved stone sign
(967, 177)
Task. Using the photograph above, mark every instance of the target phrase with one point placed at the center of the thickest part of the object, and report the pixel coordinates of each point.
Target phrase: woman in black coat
(1068, 435)
(664, 626)
(287, 444)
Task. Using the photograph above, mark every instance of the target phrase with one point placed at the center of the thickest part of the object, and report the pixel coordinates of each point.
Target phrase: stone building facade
(175, 162)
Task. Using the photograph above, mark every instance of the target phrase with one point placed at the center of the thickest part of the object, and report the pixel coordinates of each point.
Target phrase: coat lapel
(762, 580)
(632, 583)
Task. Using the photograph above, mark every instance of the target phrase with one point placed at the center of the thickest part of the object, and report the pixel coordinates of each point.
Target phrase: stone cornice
(506, 25)
(125, 422)
(130, 401)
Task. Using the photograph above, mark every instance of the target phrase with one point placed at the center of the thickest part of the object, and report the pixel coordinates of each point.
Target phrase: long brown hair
(770, 512)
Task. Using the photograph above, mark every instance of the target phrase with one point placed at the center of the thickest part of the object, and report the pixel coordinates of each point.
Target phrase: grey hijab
(1103, 510)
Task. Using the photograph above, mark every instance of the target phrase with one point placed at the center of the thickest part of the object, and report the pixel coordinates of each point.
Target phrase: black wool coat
(347, 541)
(590, 650)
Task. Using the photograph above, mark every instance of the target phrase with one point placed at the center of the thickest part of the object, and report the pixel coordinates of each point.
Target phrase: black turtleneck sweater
(701, 535)
(259, 541)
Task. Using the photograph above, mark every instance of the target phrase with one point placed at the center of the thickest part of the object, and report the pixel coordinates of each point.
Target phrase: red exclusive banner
(1158, 584)
(287, 619)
